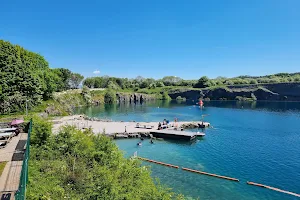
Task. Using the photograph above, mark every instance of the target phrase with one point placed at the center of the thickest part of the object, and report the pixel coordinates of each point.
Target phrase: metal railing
(21, 192)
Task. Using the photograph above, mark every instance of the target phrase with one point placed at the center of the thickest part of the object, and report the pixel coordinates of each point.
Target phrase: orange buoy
(209, 174)
(272, 188)
(157, 162)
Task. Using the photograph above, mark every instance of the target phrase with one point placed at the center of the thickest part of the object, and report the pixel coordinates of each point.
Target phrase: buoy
(209, 174)
(272, 188)
(157, 162)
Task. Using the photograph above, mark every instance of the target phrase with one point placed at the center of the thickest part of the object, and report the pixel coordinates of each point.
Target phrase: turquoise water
(257, 142)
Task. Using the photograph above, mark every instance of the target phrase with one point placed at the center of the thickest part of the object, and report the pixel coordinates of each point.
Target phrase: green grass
(2, 166)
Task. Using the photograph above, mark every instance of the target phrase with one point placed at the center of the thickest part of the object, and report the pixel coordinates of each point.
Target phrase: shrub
(253, 81)
(110, 97)
(179, 98)
(160, 84)
(77, 164)
(163, 96)
(86, 95)
(229, 82)
(41, 131)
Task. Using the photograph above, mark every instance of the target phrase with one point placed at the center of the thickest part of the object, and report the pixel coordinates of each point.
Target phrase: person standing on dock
(159, 126)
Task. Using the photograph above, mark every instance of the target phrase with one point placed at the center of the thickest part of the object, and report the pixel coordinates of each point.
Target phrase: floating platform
(174, 134)
(200, 134)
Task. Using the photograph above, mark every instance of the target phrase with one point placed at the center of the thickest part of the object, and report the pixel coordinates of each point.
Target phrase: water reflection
(265, 105)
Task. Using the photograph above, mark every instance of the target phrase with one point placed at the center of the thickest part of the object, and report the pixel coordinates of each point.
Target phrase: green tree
(203, 82)
(171, 80)
(89, 82)
(65, 76)
(26, 76)
(75, 80)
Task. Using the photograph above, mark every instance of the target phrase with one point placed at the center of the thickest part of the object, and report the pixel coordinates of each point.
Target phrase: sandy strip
(108, 127)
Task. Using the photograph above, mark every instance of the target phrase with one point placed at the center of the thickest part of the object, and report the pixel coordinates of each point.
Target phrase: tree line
(26, 76)
(150, 83)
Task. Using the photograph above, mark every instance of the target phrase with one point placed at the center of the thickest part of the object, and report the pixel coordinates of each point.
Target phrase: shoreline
(113, 128)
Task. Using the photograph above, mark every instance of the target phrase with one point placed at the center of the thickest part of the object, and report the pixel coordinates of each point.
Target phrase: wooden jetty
(174, 134)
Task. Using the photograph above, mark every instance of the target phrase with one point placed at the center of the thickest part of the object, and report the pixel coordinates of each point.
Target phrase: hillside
(273, 92)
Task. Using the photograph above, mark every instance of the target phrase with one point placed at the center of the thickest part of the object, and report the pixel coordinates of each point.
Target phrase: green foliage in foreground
(76, 164)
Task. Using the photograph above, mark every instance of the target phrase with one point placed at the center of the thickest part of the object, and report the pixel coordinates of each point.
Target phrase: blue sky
(156, 38)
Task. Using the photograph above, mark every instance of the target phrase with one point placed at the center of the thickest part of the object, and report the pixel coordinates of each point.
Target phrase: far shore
(112, 127)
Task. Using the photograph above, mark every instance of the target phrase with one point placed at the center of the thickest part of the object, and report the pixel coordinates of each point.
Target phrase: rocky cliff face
(134, 97)
(278, 92)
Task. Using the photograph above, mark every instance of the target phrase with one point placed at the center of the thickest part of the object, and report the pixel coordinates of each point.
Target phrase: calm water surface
(257, 142)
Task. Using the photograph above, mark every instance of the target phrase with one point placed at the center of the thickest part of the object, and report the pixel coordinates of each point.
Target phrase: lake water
(258, 141)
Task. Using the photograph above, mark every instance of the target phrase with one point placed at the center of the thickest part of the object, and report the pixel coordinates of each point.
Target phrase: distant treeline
(26, 75)
(140, 82)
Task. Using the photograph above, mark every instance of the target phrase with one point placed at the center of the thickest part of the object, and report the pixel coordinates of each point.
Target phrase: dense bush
(80, 165)
(41, 131)
(164, 96)
(110, 97)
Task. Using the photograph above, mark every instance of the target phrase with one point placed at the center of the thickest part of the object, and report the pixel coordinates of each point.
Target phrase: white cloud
(96, 72)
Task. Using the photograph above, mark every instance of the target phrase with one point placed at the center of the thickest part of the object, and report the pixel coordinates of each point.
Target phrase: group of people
(140, 143)
(165, 124)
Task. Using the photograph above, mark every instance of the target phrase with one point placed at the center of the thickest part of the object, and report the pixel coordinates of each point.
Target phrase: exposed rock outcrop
(276, 92)
(134, 98)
